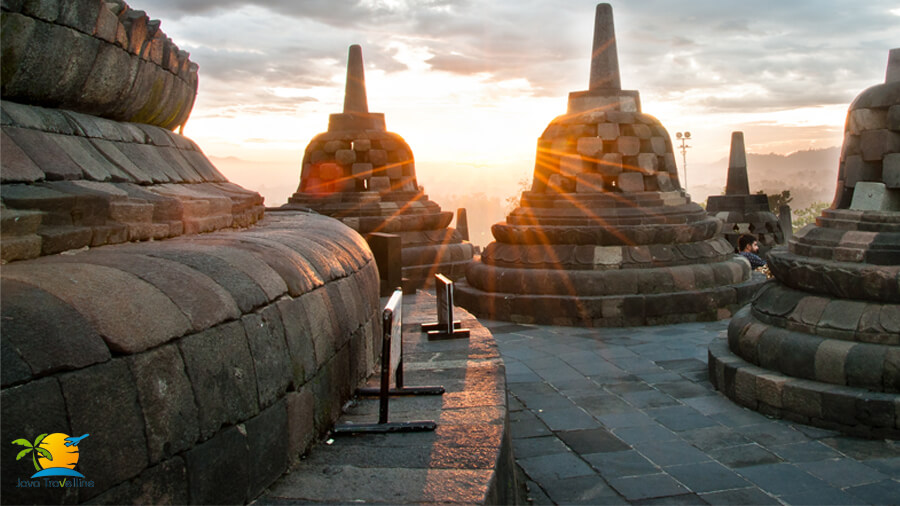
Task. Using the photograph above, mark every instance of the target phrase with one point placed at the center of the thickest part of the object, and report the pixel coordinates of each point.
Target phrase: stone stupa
(606, 236)
(365, 176)
(821, 343)
(743, 212)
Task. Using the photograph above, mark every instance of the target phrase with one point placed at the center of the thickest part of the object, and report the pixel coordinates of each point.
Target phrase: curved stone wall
(96, 57)
(200, 366)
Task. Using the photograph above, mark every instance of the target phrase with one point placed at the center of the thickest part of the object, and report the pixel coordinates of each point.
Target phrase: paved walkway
(619, 416)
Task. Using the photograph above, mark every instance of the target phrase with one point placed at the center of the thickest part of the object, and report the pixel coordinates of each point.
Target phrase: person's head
(747, 242)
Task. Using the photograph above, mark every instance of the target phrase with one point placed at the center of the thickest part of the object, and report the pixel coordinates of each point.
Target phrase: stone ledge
(467, 460)
(854, 411)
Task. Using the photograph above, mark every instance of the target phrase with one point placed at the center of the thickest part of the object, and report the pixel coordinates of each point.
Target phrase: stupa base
(855, 411)
(609, 310)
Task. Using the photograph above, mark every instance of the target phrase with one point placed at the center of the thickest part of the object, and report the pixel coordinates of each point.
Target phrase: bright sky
(471, 84)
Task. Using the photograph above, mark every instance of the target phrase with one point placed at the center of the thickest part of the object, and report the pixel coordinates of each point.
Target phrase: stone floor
(627, 416)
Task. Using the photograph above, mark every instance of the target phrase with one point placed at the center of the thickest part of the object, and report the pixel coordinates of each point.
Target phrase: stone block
(648, 163)
(591, 147)
(17, 167)
(345, 157)
(46, 154)
(665, 182)
(220, 366)
(608, 131)
(770, 389)
(28, 410)
(301, 420)
(47, 333)
(628, 145)
(219, 469)
(798, 397)
(831, 356)
(658, 145)
(891, 171)
(361, 145)
(20, 248)
(610, 165)
(378, 157)
(165, 483)
(167, 401)
(394, 170)
(560, 184)
(271, 361)
(589, 183)
(855, 170)
(867, 119)
(118, 446)
(330, 171)
(572, 165)
(334, 146)
(875, 197)
(874, 144)
(362, 170)
(642, 131)
(865, 365)
(893, 117)
(630, 182)
(745, 387)
(268, 452)
(298, 338)
(381, 184)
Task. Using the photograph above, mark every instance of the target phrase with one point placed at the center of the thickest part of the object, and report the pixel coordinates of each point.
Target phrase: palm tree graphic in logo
(52, 455)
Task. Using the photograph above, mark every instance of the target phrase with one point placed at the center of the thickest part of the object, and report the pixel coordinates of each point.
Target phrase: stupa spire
(893, 68)
(737, 167)
(604, 56)
(355, 90)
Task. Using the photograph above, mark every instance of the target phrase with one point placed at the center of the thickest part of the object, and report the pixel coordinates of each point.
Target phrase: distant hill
(810, 175)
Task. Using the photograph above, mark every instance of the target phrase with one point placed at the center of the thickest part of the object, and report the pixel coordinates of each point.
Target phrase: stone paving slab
(628, 416)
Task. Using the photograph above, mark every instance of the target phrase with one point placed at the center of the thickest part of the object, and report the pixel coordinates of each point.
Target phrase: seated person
(747, 248)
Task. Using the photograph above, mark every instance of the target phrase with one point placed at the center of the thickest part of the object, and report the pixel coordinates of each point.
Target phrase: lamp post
(684, 137)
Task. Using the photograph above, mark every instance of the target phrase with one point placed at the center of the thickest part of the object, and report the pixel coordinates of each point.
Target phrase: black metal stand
(446, 327)
(391, 365)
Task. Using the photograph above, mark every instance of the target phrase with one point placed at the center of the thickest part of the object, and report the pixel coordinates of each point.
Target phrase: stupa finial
(737, 167)
(355, 90)
(604, 56)
(893, 67)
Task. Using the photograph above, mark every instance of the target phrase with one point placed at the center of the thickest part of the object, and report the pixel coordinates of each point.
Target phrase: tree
(33, 449)
(776, 200)
(804, 217)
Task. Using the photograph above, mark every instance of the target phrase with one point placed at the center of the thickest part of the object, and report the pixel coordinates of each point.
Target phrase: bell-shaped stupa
(606, 236)
(365, 176)
(740, 211)
(821, 343)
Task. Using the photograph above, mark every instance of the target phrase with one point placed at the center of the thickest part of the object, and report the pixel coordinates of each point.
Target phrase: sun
(63, 456)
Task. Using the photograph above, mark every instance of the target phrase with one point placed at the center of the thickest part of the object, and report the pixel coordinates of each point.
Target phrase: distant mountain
(810, 175)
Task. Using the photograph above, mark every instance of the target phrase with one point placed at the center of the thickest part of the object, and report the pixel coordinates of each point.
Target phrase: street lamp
(683, 137)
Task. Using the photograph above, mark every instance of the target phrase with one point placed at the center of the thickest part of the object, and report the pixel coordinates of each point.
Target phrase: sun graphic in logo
(52, 455)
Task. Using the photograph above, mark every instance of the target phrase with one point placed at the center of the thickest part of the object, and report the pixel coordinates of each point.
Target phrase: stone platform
(467, 460)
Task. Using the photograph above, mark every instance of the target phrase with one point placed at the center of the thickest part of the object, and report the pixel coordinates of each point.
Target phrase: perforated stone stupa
(606, 236)
(365, 176)
(821, 344)
(740, 211)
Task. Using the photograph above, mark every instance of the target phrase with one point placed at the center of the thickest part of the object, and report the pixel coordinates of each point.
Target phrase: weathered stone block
(118, 443)
(856, 170)
(334, 146)
(670, 165)
(378, 157)
(219, 469)
(572, 165)
(345, 157)
(220, 367)
(874, 144)
(865, 365)
(608, 131)
(648, 163)
(628, 145)
(362, 170)
(301, 420)
(745, 387)
(875, 197)
(167, 402)
(893, 117)
(271, 360)
(891, 170)
(165, 483)
(831, 356)
(658, 145)
(799, 398)
(770, 389)
(560, 184)
(267, 449)
(298, 337)
(330, 171)
(394, 171)
(610, 165)
(642, 131)
(665, 182)
(381, 184)
(630, 182)
(361, 145)
(591, 147)
(867, 119)
(589, 183)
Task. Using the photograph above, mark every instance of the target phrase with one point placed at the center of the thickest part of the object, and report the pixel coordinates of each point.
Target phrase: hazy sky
(471, 84)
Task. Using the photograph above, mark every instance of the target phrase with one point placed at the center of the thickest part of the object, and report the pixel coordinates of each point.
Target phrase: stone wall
(97, 57)
(200, 366)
